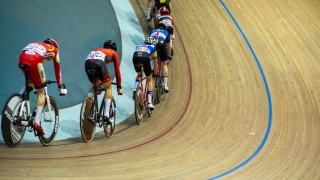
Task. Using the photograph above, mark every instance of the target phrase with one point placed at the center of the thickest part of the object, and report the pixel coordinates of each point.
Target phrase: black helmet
(110, 45)
(52, 42)
(150, 40)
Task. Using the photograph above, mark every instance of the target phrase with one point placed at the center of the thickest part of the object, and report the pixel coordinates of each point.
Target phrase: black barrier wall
(77, 26)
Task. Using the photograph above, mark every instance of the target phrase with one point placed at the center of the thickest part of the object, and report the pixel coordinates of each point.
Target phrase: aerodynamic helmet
(52, 42)
(110, 45)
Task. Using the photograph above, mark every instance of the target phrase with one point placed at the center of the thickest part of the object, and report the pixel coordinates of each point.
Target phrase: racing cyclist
(97, 60)
(141, 57)
(33, 56)
(164, 51)
(168, 21)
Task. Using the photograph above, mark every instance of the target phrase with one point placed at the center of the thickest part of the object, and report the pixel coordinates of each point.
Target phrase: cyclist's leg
(149, 6)
(105, 79)
(38, 78)
(148, 72)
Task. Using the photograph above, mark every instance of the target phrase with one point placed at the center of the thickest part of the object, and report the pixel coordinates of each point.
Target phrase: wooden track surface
(218, 117)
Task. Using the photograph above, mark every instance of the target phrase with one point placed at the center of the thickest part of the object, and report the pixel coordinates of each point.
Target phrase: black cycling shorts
(170, 29)
(162, 49)
(141, 59)
(101, 69)
(160, 3)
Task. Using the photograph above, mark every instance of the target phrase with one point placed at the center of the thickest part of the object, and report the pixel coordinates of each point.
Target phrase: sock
(148, 10)
(171, 43)
(23, 89)
(107, 107)
(149, 97)
(165, 80)
(137, 82)
(90, 94)
(38, 114)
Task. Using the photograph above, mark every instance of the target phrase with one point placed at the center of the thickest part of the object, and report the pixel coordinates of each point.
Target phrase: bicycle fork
(24, 122)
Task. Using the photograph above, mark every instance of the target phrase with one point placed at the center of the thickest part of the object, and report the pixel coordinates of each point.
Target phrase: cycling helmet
(110, 45)
(162, 25)
(164, 11)
(150, 40)
(51, 41)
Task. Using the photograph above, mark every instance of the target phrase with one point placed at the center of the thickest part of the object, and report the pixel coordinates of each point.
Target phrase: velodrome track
(244, 103)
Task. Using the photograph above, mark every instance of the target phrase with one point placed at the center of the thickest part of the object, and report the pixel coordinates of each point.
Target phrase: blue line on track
(269, 100)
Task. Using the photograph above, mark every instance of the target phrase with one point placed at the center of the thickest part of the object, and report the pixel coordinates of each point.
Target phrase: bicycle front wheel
(49, 122)
(109, 128)
(138, 105)
(12, 130)
(87, 123)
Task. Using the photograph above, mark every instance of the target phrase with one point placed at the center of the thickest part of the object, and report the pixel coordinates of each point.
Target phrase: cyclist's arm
(117, 70)
(57, 69)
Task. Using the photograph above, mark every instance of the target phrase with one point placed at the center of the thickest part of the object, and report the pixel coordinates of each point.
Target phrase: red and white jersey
(46, 52)
(109, 56)
(167, 18)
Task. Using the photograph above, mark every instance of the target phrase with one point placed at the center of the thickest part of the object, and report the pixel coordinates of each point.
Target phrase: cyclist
(164, 51)
(98, 60)
(33, 55)
(168, 21)
(141, 57)
(160, 3)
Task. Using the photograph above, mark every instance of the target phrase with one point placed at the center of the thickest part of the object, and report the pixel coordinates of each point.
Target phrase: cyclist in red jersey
(98, 60)
(33, 55)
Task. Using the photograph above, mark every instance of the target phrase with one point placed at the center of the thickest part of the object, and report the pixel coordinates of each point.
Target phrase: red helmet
(164, 11)
(52, 42)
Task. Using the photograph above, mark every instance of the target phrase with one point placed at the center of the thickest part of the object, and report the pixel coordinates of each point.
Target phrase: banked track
(217, 114)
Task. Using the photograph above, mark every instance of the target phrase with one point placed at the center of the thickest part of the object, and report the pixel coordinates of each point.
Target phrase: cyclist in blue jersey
(164, 51)
(141, 57)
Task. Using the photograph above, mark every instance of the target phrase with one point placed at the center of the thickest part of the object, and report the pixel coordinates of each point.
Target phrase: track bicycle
(141, 98)
(17, 118)
(91, 116)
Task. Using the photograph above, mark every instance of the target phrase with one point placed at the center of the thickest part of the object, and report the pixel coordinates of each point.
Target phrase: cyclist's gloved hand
(170, 58)
(63, 92)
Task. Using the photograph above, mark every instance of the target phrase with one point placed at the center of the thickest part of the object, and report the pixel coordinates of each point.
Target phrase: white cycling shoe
(150, 105)
(166, 89)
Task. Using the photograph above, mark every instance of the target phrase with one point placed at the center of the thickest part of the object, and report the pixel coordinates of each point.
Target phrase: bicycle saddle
(24, 66)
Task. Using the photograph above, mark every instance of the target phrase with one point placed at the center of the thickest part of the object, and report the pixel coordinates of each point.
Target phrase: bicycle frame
(144, 92)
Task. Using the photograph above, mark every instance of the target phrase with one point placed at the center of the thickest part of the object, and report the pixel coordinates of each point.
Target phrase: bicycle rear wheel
(158, 89)
(139, 106)
(87, 123)
(12, 130)
(49, 123)
(109, 128)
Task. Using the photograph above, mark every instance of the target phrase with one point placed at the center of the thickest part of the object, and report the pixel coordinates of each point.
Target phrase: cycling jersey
(107, 56)
(149, 49)
(167, 18)
(141, 57)
(160, 33)
(33, 55)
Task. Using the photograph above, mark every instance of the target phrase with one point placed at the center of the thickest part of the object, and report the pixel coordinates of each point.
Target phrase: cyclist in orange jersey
(98, 60)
